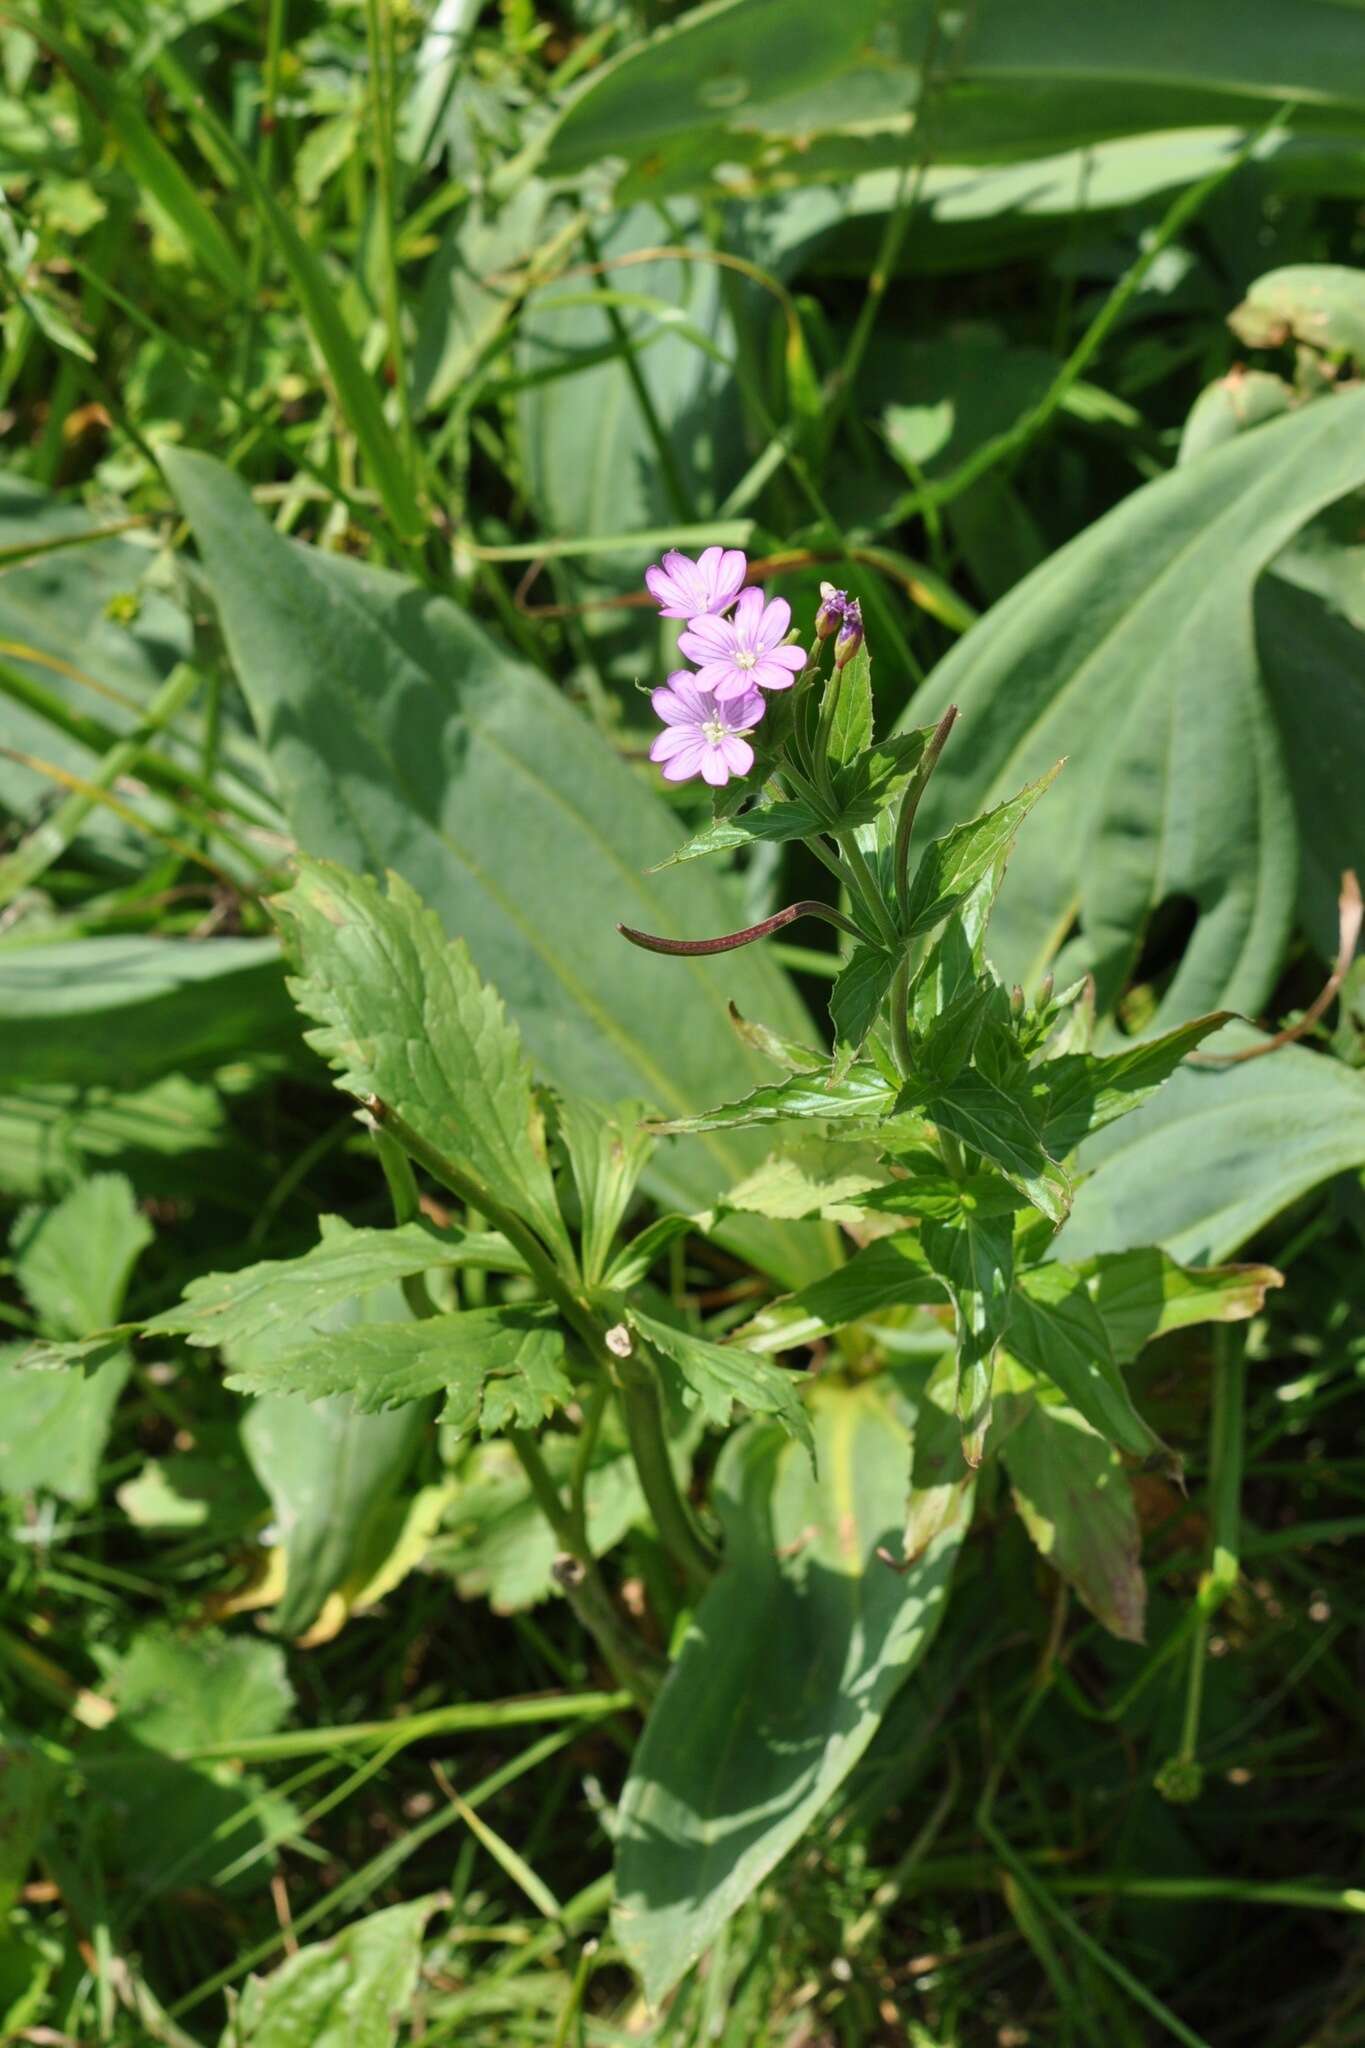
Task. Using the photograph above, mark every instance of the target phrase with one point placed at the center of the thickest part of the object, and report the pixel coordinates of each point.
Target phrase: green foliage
(782, 1677)
(804, 1476)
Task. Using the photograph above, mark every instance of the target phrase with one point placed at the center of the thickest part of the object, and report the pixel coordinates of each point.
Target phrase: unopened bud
(1017, 1000)
(830, 615)
(1045, 991)
(850, 633)
(618, 1341)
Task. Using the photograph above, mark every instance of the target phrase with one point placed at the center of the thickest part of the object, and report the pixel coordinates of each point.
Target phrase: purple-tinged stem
(652, 943)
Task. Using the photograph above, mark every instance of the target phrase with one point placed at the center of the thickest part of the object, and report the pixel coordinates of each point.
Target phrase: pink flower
(739, 654)
(699, 737)
(684, 589)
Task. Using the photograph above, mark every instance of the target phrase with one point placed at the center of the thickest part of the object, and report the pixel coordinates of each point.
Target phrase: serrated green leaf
(771, 824)
(178, 1693)
(1086, 1091)
(1144, 1294)
(1057, 1330)
(716, 1376)
(971, 1248)
(401, 734)
(349, 1992)
(850, 732)
(74, 1261)
(945, 1046)
(892, 1272)
(862, 1095)
(950, 868)
(270, 1300)
(865, 785)
(496, 1366)
(402, 1016)
(809, 1178)
(995, 1123)
(1074, 1499)
(857, 997)
(790, 1662)
(608, 1150)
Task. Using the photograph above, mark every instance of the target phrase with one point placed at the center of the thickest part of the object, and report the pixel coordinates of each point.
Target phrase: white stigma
(746, 660)
(714, 731)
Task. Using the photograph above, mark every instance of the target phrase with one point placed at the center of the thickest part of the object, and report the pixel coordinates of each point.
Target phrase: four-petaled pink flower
(684, 589)
(736, 655)
(700, 736)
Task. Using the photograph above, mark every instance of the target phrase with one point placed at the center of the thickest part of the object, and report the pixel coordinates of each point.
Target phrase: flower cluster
(737, 638)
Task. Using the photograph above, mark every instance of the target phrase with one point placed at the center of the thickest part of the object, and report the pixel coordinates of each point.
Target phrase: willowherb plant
(938, 1132)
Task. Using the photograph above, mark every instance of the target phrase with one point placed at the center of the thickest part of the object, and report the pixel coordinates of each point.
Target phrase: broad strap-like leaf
(1133, 650)
(791, 1660)
(273, 1298)
(1086, 1091)
(497, 1367)
(862, 1095)
(402, 1017)
(1075, 1500)
(950, 868)
(716, 1376)
(1217, 1152)
(1058, 1332)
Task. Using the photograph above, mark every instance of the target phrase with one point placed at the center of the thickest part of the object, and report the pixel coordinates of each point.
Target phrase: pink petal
(769, 676)
(670, 600)
(679, 700)
(776, 620)
(734, 567)
(714, 767)
(748, 612)
(742, 712)
(707, 639)
(675, 739)
(739, 755)
(736, 682)
(724, 678)
(793, 658)
(687, 763)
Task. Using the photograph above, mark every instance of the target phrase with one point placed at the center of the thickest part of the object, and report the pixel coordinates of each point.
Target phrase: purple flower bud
(832, 607)
(850, 633)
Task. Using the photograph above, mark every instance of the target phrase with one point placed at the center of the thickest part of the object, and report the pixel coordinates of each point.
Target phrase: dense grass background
(504, 300)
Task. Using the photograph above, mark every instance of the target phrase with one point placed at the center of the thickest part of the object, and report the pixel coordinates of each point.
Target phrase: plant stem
(899, 1001)
(379, 31)
(869, 890)
(910, 802)
(583, 1587)
(676, 1524)
(648, 1446)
